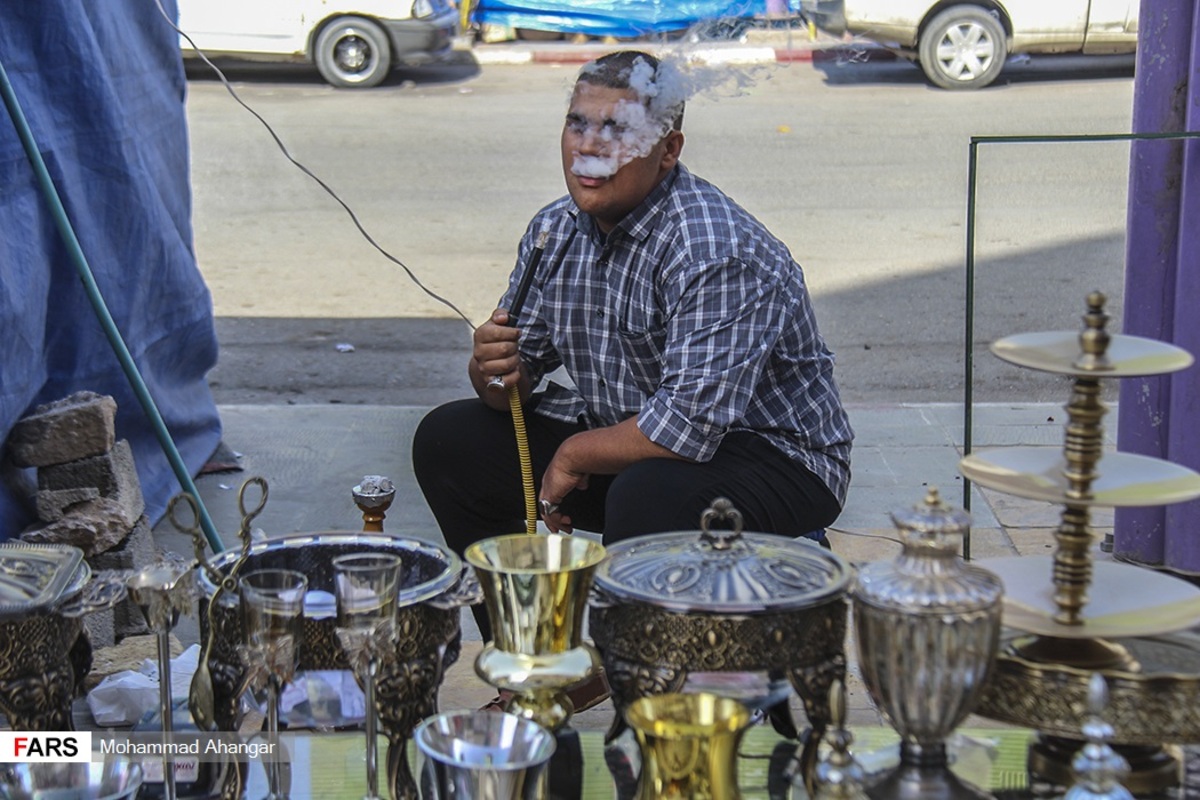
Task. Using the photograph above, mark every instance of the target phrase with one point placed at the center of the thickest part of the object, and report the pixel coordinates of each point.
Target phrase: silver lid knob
(1098, 768)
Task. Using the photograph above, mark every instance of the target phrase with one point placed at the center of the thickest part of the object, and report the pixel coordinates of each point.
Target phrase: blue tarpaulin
(103, 89)
(623, 18)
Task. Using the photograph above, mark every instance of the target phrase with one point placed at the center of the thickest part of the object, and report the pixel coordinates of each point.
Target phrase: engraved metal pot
(434, 587)
(45, 591)
(749, 616)
(928, 629)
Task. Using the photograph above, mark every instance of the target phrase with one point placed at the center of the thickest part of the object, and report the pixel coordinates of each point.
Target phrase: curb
(500, 54)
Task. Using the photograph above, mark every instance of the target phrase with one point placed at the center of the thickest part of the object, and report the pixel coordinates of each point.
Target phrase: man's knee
(450, 430)
(654, 496)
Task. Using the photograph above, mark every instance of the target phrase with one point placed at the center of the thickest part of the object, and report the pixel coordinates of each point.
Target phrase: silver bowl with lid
(743, 615)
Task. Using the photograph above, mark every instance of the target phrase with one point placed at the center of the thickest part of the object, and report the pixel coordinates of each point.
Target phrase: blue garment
(690, 315)
(102, 87)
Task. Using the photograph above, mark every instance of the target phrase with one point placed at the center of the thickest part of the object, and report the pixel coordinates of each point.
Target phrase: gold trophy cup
(689, 745)
(536, 589)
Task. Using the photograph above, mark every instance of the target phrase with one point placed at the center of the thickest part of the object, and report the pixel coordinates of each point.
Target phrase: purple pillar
(1159, 416)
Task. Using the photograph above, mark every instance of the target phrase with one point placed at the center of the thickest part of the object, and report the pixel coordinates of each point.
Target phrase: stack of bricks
(88, 495)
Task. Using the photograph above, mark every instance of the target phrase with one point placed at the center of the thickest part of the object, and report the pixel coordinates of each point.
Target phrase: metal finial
(1094, 338)
(1098, 768)
(840, 776)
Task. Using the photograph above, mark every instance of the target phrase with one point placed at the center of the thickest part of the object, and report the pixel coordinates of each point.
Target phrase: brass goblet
(689, 745)
(366, 586)
(272, 603)
(536, 589)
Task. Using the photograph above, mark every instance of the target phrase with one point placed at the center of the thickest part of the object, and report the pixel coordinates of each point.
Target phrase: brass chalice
(536, 589)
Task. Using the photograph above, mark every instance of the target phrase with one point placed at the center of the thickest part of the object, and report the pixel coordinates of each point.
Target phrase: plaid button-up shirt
(689, 314)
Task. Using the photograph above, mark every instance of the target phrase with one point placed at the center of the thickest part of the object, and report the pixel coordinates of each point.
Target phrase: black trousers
(465, 460)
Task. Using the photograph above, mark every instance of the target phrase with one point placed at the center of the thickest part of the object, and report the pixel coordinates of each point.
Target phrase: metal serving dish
(115, 778)
(36, 578)
(743, 615)
(433, 588)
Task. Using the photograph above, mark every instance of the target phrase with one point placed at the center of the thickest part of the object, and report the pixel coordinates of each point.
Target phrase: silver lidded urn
(928, 630)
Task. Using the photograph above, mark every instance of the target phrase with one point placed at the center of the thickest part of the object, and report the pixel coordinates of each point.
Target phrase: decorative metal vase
(482, 754)
(536, 589)
(689, 745)
(928, 629)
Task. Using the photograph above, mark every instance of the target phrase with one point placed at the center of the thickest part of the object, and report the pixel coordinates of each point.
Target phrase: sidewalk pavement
(312, 456)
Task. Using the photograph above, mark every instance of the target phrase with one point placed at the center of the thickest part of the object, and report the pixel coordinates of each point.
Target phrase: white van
(353, 43)
(963, 44)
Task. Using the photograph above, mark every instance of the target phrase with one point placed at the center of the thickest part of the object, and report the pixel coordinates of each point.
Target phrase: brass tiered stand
(1140, 629)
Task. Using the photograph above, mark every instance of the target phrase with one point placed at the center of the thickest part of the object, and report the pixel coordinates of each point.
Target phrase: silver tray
(35, 578)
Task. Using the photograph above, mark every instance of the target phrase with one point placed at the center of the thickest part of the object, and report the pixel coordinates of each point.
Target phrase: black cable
(286, 154)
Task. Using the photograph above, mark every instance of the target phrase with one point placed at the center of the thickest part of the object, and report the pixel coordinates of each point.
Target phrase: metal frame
(972, 181)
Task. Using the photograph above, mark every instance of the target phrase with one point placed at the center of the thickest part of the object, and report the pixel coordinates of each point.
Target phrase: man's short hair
(623, 70)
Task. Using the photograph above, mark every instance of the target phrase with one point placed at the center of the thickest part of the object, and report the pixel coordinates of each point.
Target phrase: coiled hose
(518, 417)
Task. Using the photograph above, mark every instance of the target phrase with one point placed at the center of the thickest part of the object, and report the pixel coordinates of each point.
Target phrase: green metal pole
(969, 344)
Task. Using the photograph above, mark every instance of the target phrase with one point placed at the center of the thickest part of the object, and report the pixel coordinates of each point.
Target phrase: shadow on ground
(896, 341)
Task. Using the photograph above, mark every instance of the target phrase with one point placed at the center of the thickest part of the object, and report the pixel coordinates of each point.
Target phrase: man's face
(612, 154)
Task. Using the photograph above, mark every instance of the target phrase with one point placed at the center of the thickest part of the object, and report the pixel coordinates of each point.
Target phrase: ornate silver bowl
(743, 615)
(433, 589)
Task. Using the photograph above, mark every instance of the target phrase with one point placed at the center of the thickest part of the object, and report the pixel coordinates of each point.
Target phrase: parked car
(353, 43)
(963, 44)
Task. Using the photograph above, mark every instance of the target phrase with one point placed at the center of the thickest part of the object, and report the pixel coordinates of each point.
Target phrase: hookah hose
(514, 393)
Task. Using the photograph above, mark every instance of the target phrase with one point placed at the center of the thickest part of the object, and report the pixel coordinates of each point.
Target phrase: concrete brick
(93, 526)
(53, 504)
(113, 474)
(100, 628)
(79, 426)
(134, 552)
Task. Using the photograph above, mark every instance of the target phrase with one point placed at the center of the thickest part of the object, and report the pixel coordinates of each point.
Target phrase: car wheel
(964, 47)
(353, 53)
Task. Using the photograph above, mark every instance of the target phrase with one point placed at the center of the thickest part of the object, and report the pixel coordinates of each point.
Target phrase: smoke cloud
(639, 125)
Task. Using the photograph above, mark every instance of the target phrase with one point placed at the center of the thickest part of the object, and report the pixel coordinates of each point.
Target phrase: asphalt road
(861, 167)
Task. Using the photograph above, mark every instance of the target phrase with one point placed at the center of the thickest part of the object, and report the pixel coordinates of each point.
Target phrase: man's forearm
(607, 451)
